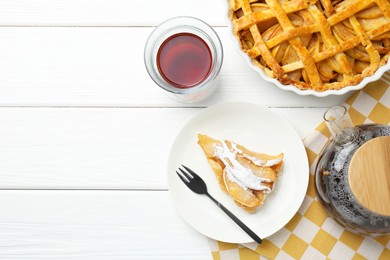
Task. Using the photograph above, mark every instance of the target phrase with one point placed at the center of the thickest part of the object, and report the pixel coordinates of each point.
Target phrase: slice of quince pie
(247, 176)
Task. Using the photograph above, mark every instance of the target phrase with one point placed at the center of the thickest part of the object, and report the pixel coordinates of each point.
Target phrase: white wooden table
(85, 133)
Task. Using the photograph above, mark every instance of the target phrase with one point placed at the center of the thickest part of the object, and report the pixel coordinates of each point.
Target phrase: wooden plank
(104, 67)
(95, 224)
(98, 148)
(107, 12)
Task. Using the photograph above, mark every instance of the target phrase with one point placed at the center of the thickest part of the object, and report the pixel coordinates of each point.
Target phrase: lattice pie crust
(317, 45)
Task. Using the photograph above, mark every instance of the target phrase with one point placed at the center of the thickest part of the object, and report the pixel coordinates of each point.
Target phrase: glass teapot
(352, 176)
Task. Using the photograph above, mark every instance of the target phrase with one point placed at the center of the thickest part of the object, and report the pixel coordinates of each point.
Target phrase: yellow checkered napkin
(312, 234)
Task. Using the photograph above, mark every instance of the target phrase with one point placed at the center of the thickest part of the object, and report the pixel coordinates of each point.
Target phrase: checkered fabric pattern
(312, 234)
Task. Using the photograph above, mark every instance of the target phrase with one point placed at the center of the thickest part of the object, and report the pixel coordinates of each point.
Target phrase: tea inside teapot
(352, 176)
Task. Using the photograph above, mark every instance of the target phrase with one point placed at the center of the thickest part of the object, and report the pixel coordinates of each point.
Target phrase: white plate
(259, 129)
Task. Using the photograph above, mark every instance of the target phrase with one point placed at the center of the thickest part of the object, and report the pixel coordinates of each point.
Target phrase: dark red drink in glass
(184, 60)
(183, 56)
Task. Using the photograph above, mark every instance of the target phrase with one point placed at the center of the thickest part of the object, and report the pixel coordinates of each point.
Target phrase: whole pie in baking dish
(314, 44)
(248, 177)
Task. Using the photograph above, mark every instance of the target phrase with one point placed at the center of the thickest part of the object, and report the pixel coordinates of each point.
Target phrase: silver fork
(197, 185)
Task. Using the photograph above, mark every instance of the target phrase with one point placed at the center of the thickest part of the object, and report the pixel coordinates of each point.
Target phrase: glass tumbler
(163, 37)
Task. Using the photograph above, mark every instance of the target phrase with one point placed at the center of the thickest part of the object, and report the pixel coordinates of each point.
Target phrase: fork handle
(238, 222)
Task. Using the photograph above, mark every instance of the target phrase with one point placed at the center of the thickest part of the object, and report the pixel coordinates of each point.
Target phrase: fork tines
(185, 175)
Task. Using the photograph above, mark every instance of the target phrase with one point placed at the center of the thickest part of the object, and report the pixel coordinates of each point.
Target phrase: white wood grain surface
(104, 67)
(100, 148)
(107, 12)
(95, 224)
(78, 111)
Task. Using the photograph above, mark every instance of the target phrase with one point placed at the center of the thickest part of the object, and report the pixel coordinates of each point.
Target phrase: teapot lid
(369, 175)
